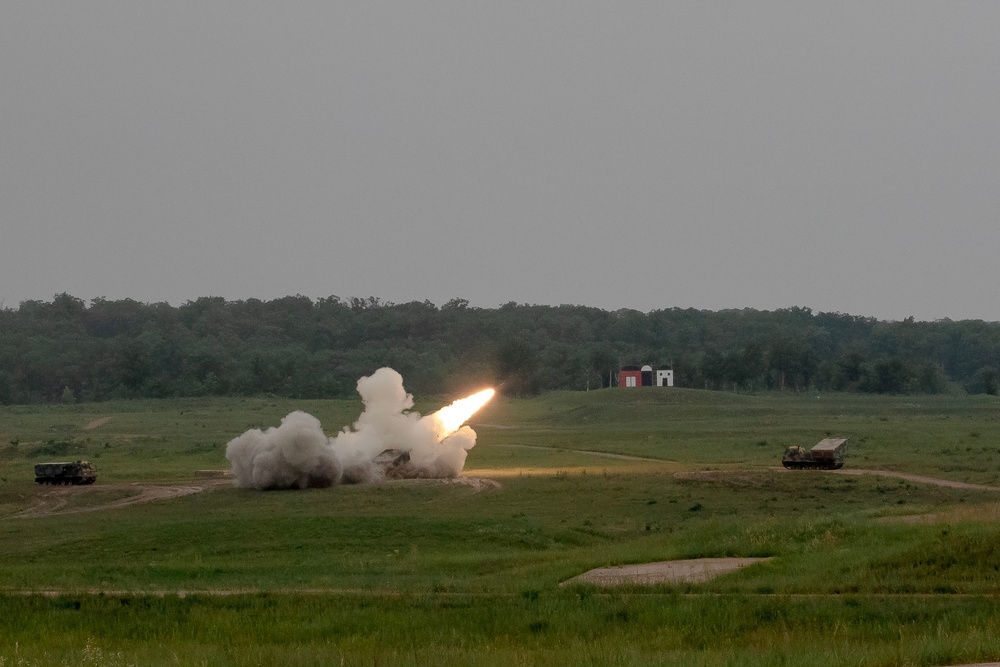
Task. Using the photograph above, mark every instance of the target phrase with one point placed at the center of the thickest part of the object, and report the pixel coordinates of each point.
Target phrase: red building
(643, 376)
(636, 376)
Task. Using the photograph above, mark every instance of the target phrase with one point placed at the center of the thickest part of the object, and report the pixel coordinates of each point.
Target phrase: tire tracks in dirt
(920, 479)
(57, 500)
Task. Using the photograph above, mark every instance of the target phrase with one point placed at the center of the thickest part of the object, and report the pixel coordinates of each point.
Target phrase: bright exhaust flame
(449, 419)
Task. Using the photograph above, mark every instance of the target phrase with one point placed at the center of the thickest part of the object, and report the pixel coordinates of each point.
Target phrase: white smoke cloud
(388, 440)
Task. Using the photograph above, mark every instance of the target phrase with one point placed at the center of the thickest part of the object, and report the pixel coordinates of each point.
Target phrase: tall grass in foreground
(578, 628)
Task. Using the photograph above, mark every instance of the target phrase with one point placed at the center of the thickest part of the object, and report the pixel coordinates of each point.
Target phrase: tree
(515, 365)
(985, 381)
(293, 346)
(791, 362)
(886, 376)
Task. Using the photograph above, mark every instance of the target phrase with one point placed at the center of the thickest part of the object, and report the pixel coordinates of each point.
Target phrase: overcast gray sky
(842, 156)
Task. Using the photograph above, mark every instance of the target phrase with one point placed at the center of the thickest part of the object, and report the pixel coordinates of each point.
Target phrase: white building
(664, 376)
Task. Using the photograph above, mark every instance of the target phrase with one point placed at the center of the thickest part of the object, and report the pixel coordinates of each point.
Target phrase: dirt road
(101, 421)
(59, 499)
(920, 479)
(56, 500)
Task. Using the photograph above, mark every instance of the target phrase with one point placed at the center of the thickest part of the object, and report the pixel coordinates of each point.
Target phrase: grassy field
(429, 573)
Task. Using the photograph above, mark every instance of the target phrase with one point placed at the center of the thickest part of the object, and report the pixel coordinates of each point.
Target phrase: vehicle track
(56, 500)
(921, 479)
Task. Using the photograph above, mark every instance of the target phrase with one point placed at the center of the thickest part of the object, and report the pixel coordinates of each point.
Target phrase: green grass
(956, 436)
(613, 629)
(425, 573)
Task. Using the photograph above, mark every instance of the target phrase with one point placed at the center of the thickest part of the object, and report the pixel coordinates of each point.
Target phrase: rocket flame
(449, 419)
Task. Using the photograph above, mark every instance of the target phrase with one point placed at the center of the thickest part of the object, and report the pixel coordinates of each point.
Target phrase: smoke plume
(388, 440)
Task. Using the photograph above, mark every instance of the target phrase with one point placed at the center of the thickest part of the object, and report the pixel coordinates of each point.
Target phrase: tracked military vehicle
(65, 472)
(826, 455)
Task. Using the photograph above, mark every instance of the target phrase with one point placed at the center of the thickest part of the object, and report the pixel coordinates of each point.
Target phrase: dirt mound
(663, 572)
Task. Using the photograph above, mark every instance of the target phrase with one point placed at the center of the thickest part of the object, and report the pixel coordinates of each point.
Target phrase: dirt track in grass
(97, 422)
(694, 474)
(920, 479)
(60, 500)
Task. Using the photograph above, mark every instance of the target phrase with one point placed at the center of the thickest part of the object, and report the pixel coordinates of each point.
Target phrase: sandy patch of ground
(97, 422)
(477, 484)
(663, 572)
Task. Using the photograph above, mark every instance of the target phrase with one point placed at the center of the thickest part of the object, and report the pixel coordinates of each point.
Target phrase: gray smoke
(388, 440)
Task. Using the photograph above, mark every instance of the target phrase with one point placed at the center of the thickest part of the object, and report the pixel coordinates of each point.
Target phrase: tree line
(70, 351)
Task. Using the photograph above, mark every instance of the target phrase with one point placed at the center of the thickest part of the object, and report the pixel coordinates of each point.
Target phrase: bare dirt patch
(663, 572)
(477, 484)
(97, 422)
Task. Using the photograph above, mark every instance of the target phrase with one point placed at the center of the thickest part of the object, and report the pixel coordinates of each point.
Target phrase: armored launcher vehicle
(65, 472)
(826, 455)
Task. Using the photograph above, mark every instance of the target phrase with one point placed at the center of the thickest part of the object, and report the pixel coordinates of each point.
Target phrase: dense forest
(66, 350)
